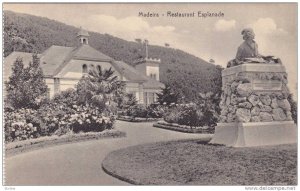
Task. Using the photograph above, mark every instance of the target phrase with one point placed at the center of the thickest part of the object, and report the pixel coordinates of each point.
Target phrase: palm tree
(99, 87)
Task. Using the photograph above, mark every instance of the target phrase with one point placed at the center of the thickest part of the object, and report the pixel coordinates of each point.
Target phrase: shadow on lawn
(209, 144)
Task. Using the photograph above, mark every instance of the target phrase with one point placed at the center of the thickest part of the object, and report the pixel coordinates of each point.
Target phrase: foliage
(208, 104)
(16, 126)
(184, 114)
(202, 113)
(127, 101)
(151, 111)
(88, 119)
(137, 111)
(181, 71)
(68, 97)
(99, 89)
(89, 108)
(54, 119)
(294, 108)
(167, 96)
(26, 87)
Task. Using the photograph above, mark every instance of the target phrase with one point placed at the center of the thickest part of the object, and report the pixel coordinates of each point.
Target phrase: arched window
(84, 41)
(84, 69)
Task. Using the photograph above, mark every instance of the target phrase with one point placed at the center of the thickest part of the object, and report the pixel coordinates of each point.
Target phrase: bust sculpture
(248, 51)
(249, 48)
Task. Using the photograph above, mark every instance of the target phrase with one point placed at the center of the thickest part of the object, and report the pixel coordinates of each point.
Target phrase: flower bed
(191, 115)
(54, 119)
(31, 144)
(183, 128)
(137, 119)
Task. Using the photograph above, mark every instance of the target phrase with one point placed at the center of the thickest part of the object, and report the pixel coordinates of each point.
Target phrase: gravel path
(80, 163)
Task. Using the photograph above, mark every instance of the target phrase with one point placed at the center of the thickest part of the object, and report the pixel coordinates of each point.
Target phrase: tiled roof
(87, 52)
(53, 58)
(129, 72)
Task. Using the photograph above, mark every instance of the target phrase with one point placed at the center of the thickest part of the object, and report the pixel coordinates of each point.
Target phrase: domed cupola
(82, 36)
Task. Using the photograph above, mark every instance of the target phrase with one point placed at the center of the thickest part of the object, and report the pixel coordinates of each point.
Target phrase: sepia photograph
(164, 94)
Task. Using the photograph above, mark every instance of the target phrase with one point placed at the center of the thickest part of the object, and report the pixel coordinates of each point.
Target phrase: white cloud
(268, 35)
(224, 25)
(267, 26)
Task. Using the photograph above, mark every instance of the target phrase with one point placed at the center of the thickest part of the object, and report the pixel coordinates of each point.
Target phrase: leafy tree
(208, 105)
(167, 96)
(126, 100)
(26, 87)
(99, 88)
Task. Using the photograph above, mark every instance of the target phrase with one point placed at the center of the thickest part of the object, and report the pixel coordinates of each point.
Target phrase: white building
(64, 66)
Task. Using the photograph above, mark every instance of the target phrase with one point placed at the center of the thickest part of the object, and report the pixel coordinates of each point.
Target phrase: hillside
(184, 72)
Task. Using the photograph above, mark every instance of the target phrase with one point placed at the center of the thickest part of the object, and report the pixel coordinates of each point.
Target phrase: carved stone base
(255, 134)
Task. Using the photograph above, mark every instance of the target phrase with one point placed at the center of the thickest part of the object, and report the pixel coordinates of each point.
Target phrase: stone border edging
(180, 128)
(67, 139)
(137, 119)
(119, 177)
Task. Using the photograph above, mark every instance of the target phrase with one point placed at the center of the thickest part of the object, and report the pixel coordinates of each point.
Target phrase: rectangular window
(151, 98)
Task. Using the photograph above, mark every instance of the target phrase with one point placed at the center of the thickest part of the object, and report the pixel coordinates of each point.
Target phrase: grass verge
(195, 162)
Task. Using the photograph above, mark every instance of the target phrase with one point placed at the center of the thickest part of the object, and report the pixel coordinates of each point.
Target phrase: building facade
(64, 66)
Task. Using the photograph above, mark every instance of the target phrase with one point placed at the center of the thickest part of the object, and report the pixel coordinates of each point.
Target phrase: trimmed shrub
(152, 111)
(191, 114)
(185, 114)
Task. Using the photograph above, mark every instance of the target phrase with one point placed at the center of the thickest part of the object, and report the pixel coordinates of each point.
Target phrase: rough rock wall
(240, 103)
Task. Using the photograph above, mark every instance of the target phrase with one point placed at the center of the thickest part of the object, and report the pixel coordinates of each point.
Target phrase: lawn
(197, 163)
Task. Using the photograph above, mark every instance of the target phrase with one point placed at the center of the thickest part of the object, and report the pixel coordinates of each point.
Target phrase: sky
(274, 24)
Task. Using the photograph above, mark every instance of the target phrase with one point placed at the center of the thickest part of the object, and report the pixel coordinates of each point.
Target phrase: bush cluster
(191, 115)
(142, 111)
(54, 119)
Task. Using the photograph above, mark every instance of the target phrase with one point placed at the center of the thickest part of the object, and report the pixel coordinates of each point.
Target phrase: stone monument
(254, 106)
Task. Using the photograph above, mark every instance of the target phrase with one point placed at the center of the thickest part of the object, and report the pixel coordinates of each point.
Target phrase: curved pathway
(80, 163)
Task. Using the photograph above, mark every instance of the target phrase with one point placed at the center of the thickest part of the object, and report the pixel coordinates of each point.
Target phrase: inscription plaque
(265, 85)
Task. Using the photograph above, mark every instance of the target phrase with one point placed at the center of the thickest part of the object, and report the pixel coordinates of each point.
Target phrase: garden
(93, 106)
(174, 113)
(29, 114)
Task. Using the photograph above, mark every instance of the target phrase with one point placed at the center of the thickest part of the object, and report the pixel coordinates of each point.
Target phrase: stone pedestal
(255, 110)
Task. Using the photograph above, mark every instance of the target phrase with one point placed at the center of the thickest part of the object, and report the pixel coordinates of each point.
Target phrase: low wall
(137, 119)
(183, 128)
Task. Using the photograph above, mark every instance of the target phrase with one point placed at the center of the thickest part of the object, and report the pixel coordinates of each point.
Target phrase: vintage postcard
(115, 94)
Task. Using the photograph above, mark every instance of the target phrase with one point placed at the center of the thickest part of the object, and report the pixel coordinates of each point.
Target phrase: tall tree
(167, 96)
(26, 87)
